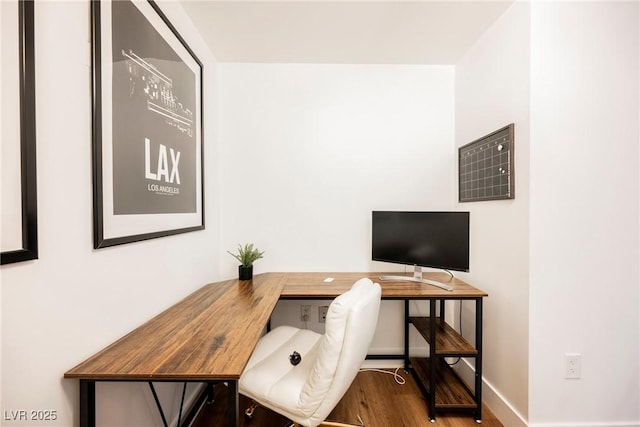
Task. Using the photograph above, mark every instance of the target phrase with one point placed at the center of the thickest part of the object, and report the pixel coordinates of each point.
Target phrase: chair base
(336, 424)
(331, 424)
(249, 414)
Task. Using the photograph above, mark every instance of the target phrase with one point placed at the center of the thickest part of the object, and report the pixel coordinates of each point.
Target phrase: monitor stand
(417, 278)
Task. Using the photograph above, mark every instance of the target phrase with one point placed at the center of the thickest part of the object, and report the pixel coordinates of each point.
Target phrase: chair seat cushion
(269, 377)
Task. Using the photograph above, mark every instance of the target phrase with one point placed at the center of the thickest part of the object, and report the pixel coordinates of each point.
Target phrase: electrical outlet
(305, 313)
(322, 313)
(572, 365)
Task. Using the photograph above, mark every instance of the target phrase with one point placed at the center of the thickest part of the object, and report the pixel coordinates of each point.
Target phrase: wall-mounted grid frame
(486, 167)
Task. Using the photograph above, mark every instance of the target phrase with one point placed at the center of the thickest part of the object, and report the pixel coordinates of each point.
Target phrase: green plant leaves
(247, 254)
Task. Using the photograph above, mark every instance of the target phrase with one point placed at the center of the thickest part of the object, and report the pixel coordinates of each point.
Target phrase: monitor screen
(425, 239)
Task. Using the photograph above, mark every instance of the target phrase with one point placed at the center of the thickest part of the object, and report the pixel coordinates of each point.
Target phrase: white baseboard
(501, 408)
(596, 424)
(510, 417)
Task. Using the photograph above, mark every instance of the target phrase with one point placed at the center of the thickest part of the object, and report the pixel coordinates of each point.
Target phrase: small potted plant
(247, 254)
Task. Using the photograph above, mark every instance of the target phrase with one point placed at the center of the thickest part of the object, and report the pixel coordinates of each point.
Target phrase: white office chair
(308, 391)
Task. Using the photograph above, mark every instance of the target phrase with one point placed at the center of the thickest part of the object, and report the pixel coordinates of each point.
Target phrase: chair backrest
(350, 324)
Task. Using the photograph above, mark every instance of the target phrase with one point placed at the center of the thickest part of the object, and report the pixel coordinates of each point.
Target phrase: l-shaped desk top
(210, 335)
(330, 285)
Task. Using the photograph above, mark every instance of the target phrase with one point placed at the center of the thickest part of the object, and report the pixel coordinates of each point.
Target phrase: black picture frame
(27, 131)
(147, 119)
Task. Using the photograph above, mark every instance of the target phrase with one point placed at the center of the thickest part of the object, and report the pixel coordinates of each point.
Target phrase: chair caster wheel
(248, 413)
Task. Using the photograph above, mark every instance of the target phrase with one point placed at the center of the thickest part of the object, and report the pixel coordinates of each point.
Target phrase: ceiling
(353, 32)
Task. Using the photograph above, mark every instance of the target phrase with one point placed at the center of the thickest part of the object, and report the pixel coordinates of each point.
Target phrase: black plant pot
(245, 273)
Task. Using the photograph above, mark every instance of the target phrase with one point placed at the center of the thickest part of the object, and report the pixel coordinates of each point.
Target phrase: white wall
(584, 292)
(492, 91)
(73, 301)
(311, 150)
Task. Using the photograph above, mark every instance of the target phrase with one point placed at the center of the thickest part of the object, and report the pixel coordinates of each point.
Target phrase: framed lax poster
(147, 126)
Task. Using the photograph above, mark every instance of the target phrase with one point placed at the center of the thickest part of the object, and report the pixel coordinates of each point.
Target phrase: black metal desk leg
(406, 335)
(87, 403)
(155, 397)
(478, 378)
(433, 361)
(233, 410)
(210, 392)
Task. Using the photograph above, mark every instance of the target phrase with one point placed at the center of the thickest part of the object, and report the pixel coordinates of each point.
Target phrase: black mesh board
(485, 167)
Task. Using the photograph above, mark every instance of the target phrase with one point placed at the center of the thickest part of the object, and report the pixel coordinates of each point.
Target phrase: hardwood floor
(374, 396)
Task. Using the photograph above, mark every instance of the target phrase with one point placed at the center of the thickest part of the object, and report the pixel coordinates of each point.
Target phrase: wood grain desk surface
(313, 285)
(209, 335)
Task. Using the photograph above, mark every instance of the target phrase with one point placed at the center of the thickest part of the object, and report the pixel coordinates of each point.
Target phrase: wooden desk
(208, 336)
(313, 285)
(444, 389)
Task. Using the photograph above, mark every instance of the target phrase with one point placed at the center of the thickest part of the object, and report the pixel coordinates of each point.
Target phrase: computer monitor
(422, 239)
